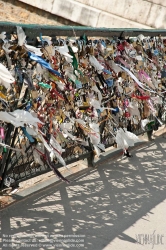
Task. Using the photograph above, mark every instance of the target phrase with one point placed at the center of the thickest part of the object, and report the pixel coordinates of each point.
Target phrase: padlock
(127, 114)
(2, 133)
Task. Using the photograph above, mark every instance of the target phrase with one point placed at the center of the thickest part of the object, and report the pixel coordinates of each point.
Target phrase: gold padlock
(34, 94)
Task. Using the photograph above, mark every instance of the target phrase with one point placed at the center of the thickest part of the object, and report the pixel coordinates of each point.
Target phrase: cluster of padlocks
(72, 95)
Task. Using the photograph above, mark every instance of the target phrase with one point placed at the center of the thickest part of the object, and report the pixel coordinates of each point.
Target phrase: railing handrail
(32, 30)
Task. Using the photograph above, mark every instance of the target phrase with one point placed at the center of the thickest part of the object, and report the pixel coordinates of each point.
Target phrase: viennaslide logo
(153, 239)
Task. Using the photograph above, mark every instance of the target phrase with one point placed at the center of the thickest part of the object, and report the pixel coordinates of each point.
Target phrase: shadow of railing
(100, 204)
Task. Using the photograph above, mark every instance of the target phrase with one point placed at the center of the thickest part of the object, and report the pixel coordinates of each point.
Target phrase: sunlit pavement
(118, 205)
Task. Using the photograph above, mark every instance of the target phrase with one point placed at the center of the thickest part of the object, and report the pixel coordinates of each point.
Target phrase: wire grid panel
(22, 166)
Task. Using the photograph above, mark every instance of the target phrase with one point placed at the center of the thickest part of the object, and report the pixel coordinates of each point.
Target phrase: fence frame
(33, 31)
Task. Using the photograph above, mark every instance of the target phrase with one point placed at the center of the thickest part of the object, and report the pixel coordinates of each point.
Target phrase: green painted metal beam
(33, 30)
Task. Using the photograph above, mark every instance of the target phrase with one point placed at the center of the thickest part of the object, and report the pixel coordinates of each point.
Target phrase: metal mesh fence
(22, 165)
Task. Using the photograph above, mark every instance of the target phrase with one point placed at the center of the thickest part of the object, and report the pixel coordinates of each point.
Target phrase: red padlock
(127, 114)
(120, 47)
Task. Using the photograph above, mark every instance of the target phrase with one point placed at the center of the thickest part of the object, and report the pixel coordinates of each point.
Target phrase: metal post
(90, 160)
(6, 158)
(149, 134)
